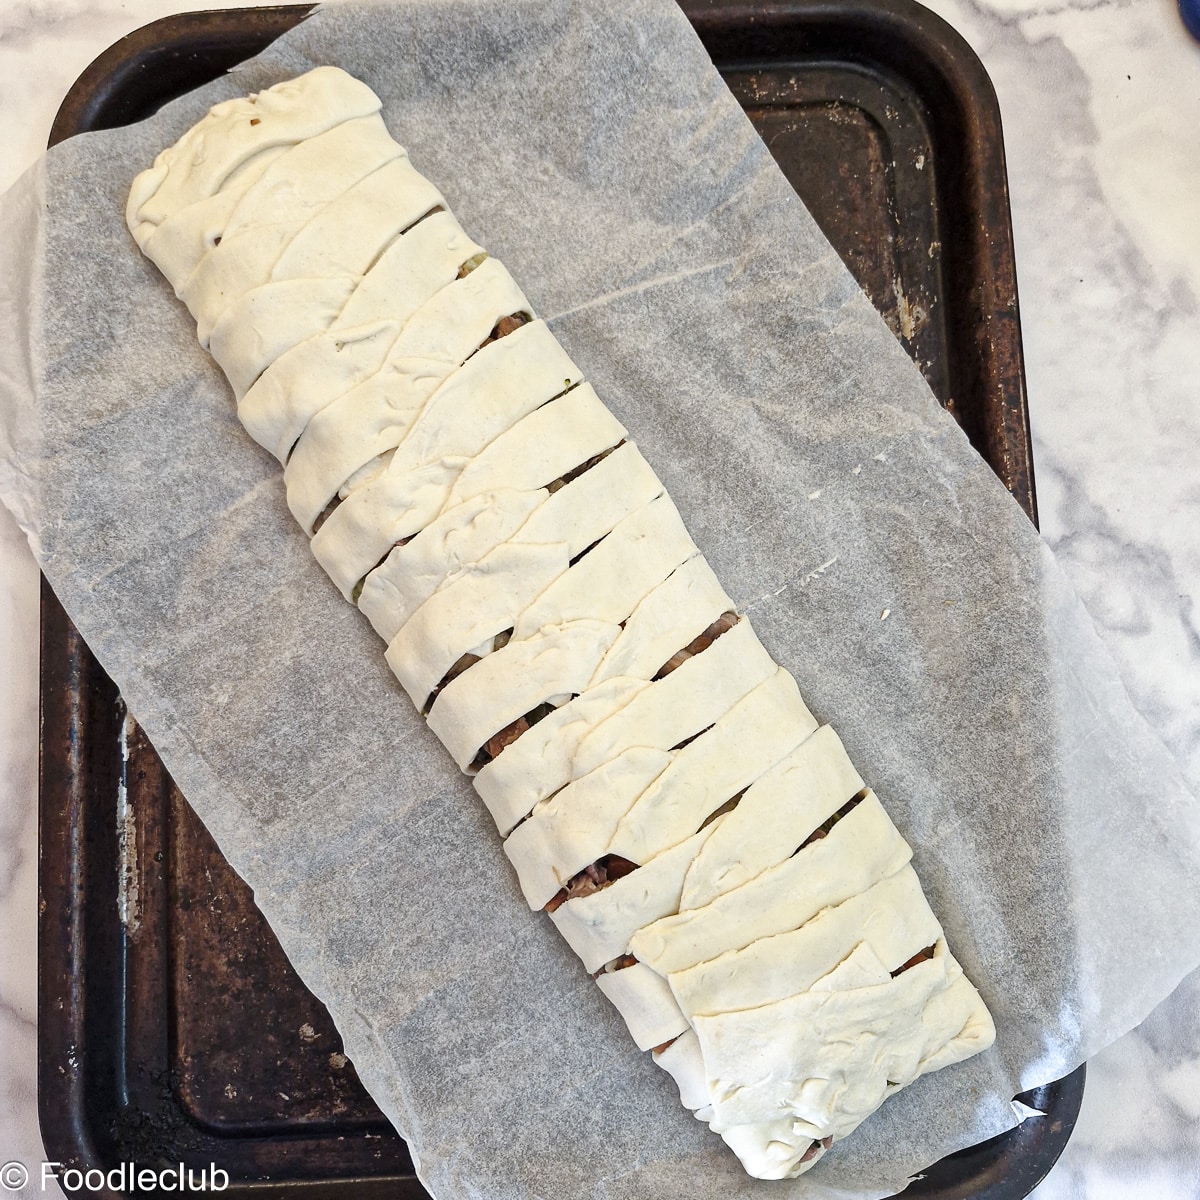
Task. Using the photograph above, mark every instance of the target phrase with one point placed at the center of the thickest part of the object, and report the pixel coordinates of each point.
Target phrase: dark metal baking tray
(171, 1026)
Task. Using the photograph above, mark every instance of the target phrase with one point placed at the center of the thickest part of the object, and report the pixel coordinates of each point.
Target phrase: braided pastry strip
(709, 852)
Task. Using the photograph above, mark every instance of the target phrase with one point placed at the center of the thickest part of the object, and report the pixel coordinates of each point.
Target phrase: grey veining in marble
(1103, 163)
(1100, 104)
(19, 1137)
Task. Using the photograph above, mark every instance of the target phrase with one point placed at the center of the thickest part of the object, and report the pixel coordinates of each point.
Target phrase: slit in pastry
(505, 737)
(723, 624)
(593, 878)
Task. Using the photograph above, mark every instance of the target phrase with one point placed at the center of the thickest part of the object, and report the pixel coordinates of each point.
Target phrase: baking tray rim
(703, 13)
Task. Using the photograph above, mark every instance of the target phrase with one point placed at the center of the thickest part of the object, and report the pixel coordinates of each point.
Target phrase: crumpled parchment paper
(593, 148)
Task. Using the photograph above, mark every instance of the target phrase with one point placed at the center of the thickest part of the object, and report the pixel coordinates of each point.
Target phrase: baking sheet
(812, 466)
(852, 102)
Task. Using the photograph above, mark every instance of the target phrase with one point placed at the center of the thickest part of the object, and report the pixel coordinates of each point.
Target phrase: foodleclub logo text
(127, 1178)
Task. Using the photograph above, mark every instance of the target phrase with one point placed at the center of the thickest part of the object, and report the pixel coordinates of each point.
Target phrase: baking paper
(593, 148)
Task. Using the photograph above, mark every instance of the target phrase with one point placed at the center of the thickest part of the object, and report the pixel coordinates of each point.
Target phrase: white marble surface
(1100, 100)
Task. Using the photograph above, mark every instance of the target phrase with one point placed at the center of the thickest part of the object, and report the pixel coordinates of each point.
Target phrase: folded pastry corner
(700, 840)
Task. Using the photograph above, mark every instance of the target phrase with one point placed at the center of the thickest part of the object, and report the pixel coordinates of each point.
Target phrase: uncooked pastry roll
(709, 851)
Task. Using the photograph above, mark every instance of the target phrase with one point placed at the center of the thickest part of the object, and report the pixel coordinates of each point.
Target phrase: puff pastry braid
(709, 852)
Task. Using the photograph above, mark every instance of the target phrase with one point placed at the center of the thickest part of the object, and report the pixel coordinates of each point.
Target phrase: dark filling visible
(920, 957)
(727, 807)
(471, 264)
(575, 473)
(505, 326)
(437, 208)
(816, 1149)
(509, 734)
(592, 878)
(461, 664)
(609, 869)
(823, 829)
(687, 741)
(617, 964)
(502, 328)
(358, 587)
(325, 513)
(586, 550)
(723, 624)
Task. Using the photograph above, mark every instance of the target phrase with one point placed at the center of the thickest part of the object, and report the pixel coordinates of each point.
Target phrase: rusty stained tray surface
(171, 1026)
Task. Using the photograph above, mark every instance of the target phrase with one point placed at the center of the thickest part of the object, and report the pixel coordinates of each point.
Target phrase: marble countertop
(1099, 101)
